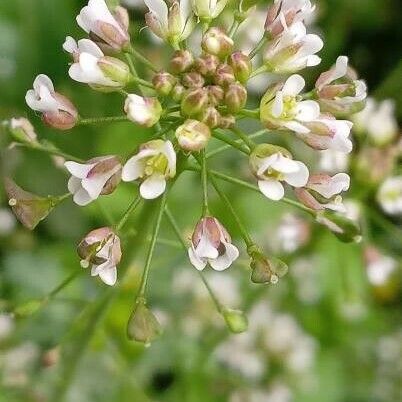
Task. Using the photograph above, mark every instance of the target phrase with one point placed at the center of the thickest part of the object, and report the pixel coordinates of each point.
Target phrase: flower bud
(211, 117)
(227, 121)
(178, 92)
(343, 228)
(163, 83)
(181, 61)
(215, 94)
(114, 69)
(194, 101)
(22, 130)
(29, 208)
(142, 325)
(193, 135)
(216, 42)
(235, 97)
(235, 320)
(207, 10)
(206, 64)
(193, 80)
(142, 110)
(224, 75)
(241, 65)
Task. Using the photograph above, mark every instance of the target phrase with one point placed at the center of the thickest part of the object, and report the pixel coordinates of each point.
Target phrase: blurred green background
(337, 338)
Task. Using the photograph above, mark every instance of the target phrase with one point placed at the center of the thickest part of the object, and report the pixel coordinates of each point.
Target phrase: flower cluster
(202, 93)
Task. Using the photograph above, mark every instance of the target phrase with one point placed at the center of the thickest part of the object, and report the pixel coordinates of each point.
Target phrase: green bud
(216, 42)
(235, 320)
(235, 97)
(143, 326)
(206, 64)
(178, 92)
(266, 270)
(227, 121)
(181, 61)
(194, 101)
(193, 135)
(211, 117)
(343, 228)
(163, 83)
(193, 80)
(215, 94)
(242, 66)
(116, 70)
(224, 75)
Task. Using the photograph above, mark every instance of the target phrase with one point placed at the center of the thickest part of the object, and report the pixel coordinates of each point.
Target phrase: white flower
(328, 133)
(284, 13)
(91, 179)
(271, 169)
(332, 161)
(96, 18)
(379, 267)
(153, 164)
(56, 109)
(172, 24)
(293, 50)
(211, 243)
(208, 9)
(339, 91)
(281, 108)
(92, 67)
(144, 111)
(292, 233)
(390, 195)
(101, 248)
(323, 192)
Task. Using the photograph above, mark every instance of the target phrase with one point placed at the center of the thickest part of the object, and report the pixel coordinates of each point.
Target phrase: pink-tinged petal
(160, 9)
(331, 186)
(82, 198)
(153, 187)
(307, 110)
(79, 170)
(298, 178)
(109, 275)
(293, 85)
(272, 189)
(205, 249)
(95, 184)
(197, 262)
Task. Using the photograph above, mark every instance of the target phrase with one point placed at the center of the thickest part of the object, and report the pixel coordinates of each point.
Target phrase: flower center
(156, 164)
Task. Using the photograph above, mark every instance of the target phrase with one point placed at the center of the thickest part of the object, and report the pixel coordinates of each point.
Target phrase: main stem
(244, 137)
(204, 180)
(131, 208)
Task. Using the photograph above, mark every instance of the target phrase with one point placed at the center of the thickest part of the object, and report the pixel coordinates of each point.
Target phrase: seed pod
(235, 320)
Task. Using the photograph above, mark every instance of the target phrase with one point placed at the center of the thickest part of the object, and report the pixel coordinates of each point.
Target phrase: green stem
(145, 274)
(96, 120)
(258, 47)
(234, 28)
(258, 71)
(50, 151)
(142, 82)
(62, 285)
(131, 208)
(222, 137)
(255, 114)
(137, 55)
(244, 137)
(204, 180)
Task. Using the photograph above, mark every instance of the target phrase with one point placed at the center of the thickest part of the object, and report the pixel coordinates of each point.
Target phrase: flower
(339, 91)
(211, 243)
(284, 13)
(332, 161)
(379, 267)
(97, 20)
(272, 165)
(281, 107)
(207, 10)
(92, 67)
(22, 130)
(323, 192)
(173, 24)
(292, 233)
(193, 135)
(328, 133)
(293, 50)
(390, 195)
(91, 179)
(145, 111)
(101, 248)
(153, 164)
(378, 121)
(57, 111)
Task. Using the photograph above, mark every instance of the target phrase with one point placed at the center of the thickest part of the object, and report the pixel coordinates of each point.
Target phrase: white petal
(88, 46)
(225, 261)
(170, 154)
(338, 183)
(153, 187)
(74, 184)
(109, 276)
(293, 85)
(70, 45)
(82, 198)
(205, 249)
(197, 262)
(79, 170)
(134, 167)
(296, 126)
(313, 60)
(285, 165)
(272, 189)
(160, 9)
(43, 80)
(299, 178)
(277, 107)
(94, 185)
(341, 68)
(307, 110)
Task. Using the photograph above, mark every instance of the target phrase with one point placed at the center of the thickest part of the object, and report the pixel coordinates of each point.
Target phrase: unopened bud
(181, 61)
(215, 94)
(216, 42)
(29, 208)
(194, 101)
(143, 326)
(227, 121)
(62, 119)
(193, 80)
(342, 227)
(211, 117)
(241, 65)
(235, 320)
(235, 97)
(207, 64)
(22, 130)
(178, 92)
(163, 83)
(193, 135)
(145, 111)
(114, 69)
(224, 75)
